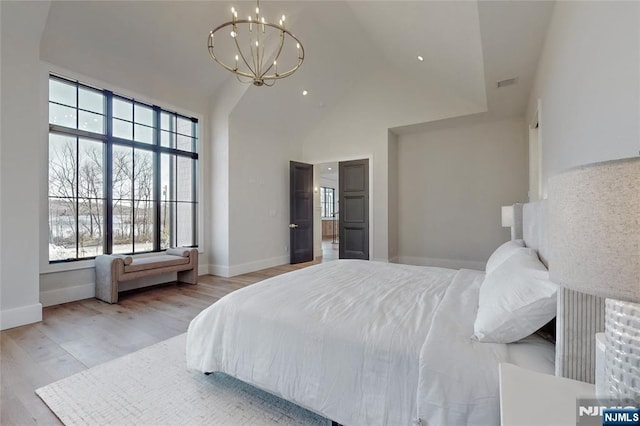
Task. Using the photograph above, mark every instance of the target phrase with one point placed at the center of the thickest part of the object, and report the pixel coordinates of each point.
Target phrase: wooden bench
(112, 269)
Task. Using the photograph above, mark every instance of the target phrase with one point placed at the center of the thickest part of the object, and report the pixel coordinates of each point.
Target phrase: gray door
(354, 209)
(301, 211)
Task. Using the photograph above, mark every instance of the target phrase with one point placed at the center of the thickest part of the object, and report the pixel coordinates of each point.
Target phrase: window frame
(155, 148)
(325, 204)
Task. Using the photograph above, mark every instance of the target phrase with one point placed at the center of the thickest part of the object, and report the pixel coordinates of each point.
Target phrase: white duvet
(362, 343)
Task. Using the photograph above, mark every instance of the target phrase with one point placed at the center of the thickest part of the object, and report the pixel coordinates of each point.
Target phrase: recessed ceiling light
(420, 58)
(329, 168)
(305, 93)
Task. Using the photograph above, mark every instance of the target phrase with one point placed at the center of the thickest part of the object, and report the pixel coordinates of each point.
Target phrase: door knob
(293, 225)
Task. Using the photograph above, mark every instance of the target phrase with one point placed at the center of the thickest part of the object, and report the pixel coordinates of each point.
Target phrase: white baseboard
(203, 269)
(245, 268)
(441, 263)
(67, 294)
(10, 318)
(219, 270)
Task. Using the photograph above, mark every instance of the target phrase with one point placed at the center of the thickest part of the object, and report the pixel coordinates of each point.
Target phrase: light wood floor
(330, 250)
(76, 336)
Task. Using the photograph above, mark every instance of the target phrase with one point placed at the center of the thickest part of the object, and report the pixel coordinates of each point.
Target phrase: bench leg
(106, 278)
(188, 277)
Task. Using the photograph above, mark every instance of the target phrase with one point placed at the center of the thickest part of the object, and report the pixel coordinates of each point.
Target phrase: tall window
(122, 174)
(327, 201)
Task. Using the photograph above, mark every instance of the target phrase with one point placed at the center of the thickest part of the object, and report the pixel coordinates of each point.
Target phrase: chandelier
(245, 41)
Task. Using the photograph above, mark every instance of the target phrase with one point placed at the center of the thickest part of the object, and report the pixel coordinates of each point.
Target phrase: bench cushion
(145, 263)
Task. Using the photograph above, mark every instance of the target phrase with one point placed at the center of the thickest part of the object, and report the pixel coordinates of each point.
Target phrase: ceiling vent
(507, 82)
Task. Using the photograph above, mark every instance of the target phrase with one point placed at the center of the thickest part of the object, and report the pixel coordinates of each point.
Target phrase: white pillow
(515, 300)
(502, 253)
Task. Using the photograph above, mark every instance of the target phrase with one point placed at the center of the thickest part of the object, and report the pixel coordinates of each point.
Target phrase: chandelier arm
(227, 67)
(255, 50)
(294, 69)
(215, 58)
(259, 50)
(254, 53)
(276, 57)
(235, 39)
(250, 79)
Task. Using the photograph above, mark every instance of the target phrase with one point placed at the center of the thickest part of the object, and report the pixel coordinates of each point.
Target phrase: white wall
(23, 142)
(222, 104)
(258, 195)
(329, 183)
(452, 182)
(249, 183)
(588, 81)
(357, 127)
(394, 169)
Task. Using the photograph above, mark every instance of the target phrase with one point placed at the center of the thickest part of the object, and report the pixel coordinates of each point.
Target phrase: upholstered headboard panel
(535, 228)
(516, 227)
(579, 315)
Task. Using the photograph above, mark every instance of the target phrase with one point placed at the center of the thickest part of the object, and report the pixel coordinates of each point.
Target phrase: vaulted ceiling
(467, 47)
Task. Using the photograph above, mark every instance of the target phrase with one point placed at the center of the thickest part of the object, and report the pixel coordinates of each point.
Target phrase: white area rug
(154, 387)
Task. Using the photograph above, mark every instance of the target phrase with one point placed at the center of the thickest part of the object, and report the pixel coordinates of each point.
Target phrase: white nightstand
(530, 398)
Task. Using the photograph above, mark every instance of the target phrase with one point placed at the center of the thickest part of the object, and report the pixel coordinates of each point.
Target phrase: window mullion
(108, 243)
(77, 195)
(157, 191)
(194, 186)
(77, 178)
(133, 197)
(173, 211)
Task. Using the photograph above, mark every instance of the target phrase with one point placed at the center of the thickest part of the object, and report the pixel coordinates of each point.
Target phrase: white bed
(364, 343)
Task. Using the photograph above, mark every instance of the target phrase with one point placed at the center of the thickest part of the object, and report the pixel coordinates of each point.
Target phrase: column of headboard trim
(580, 317)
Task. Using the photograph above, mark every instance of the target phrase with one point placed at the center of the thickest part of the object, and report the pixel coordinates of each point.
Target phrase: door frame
(317, 221)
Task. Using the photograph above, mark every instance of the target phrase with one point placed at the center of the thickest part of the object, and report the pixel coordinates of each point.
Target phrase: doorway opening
(328, 188)
(342, 202)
